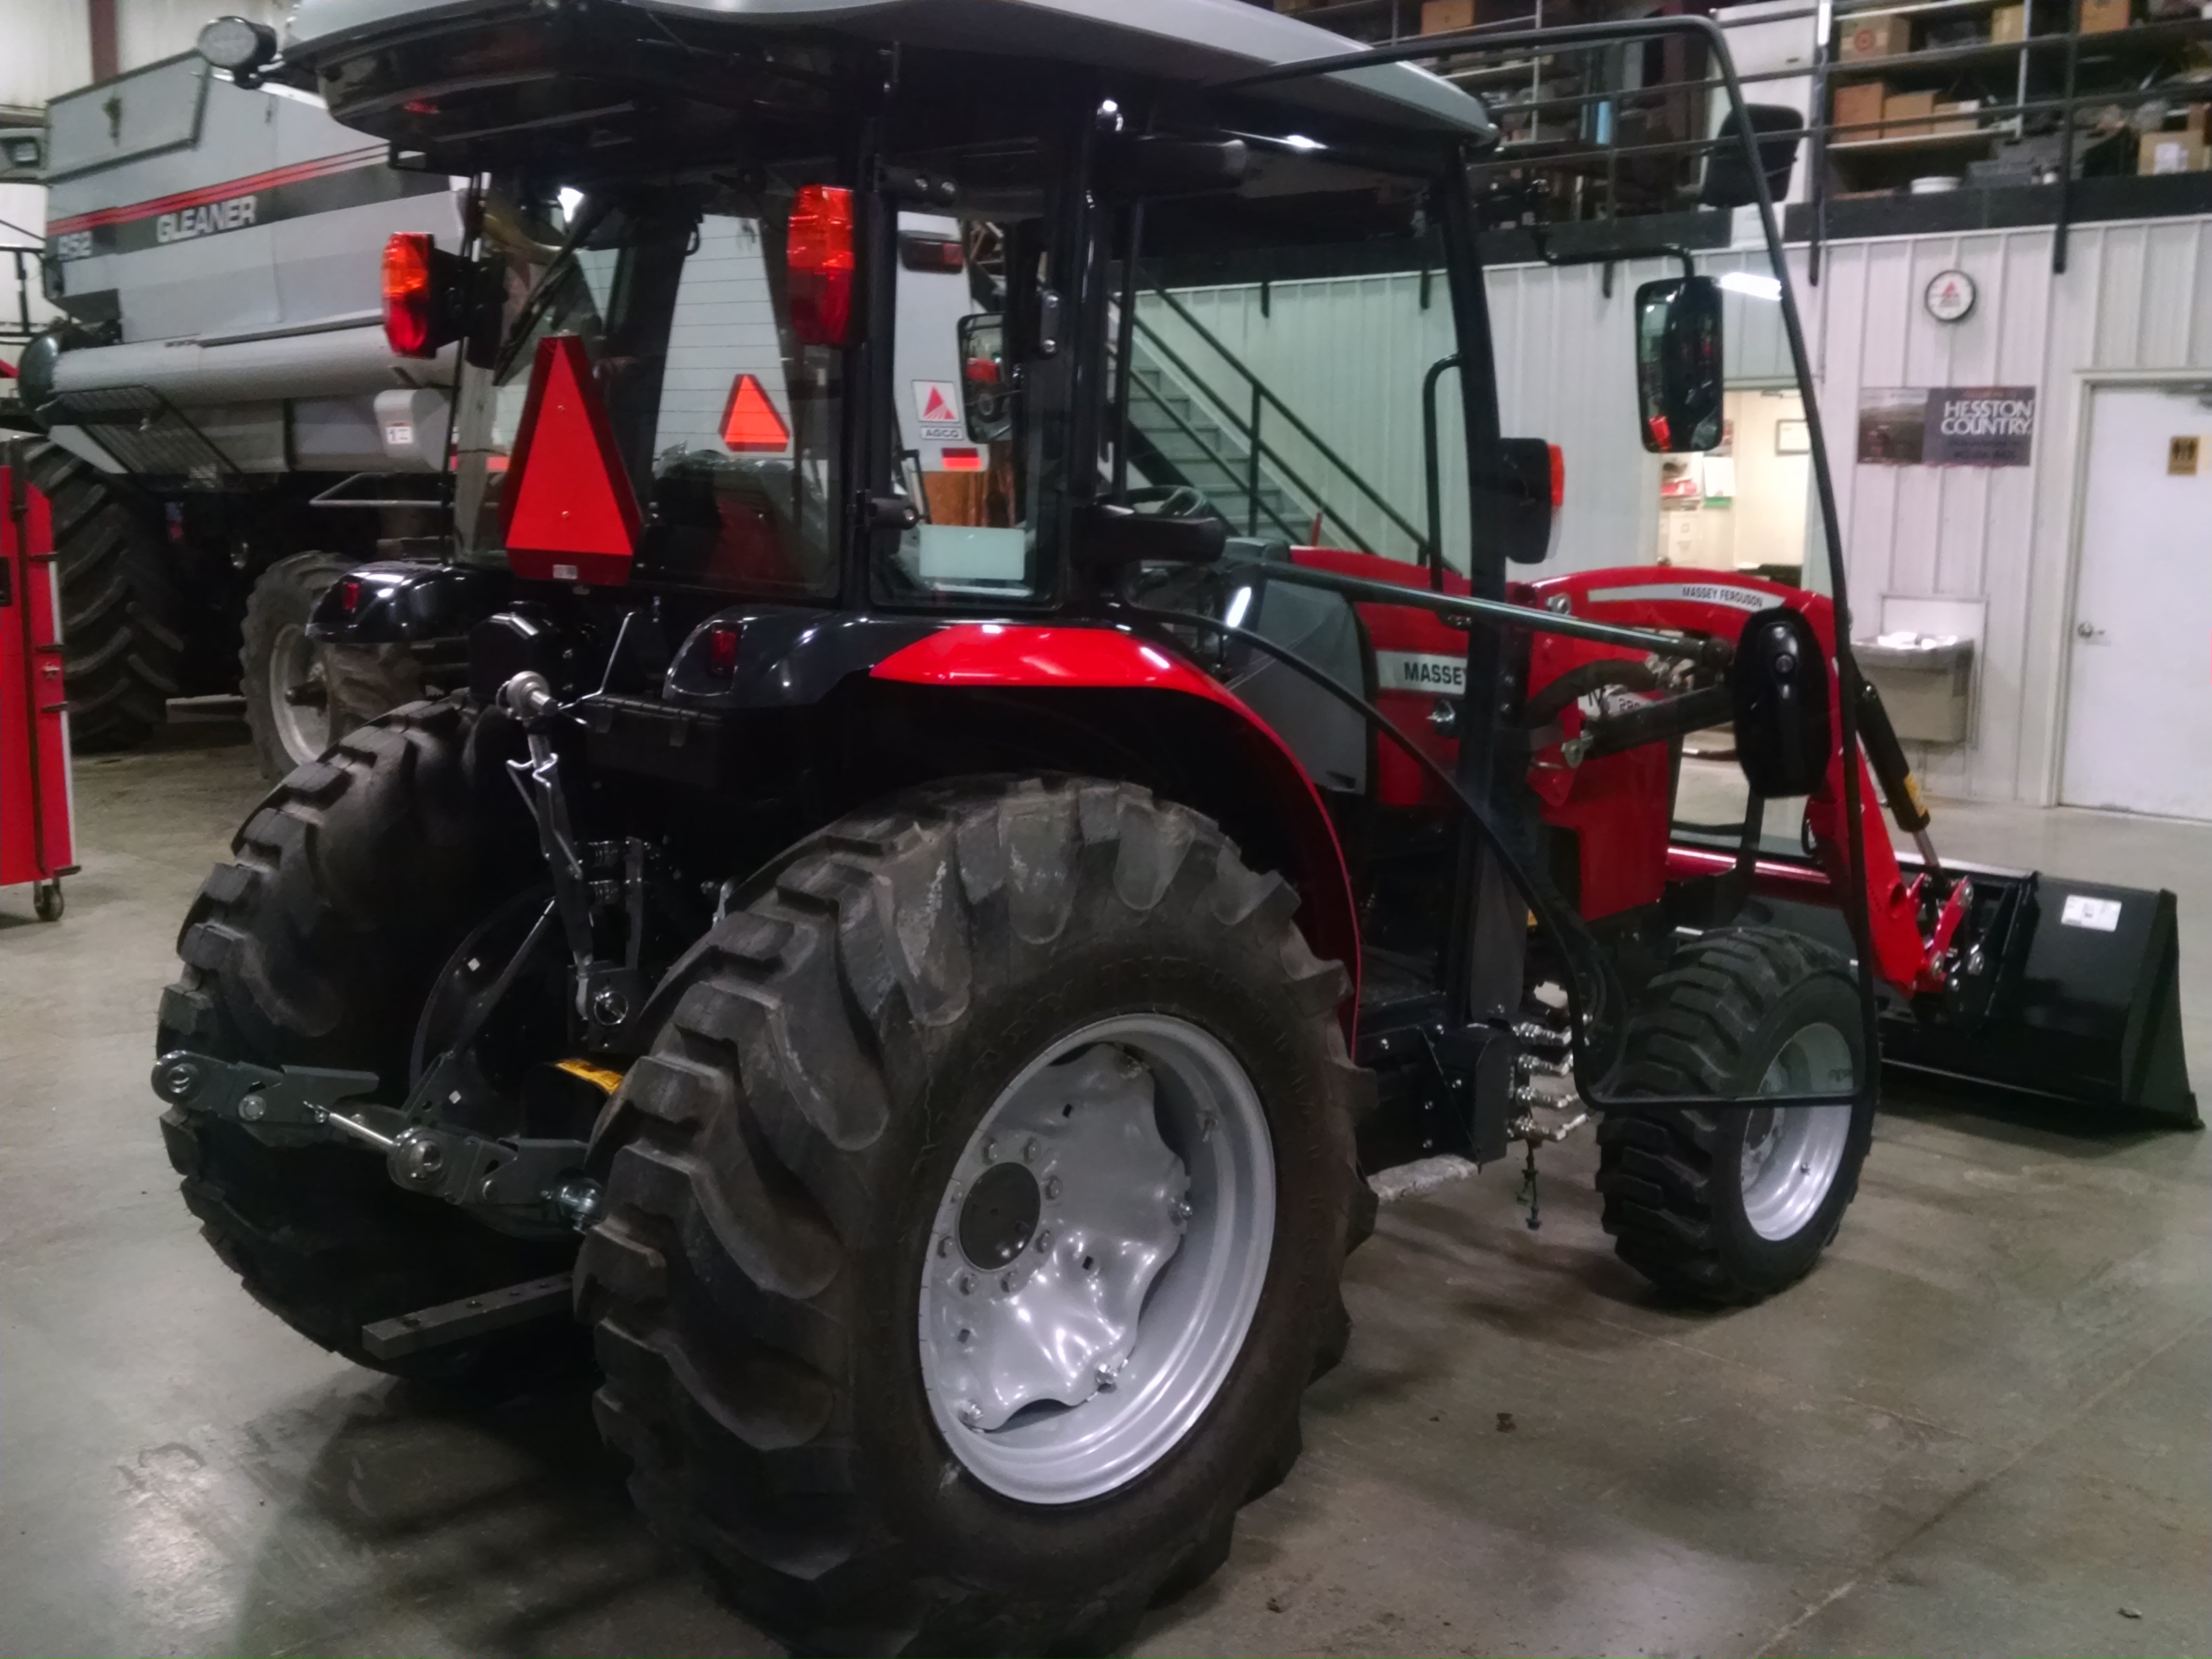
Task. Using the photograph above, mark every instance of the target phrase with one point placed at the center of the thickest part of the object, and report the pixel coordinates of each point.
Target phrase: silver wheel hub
(1792, 1154)
(1096, 1259)
(298, 695)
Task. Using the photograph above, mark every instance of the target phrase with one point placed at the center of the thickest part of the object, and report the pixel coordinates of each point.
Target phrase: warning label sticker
(937, 411)
(2082, 911)
(1420, 671)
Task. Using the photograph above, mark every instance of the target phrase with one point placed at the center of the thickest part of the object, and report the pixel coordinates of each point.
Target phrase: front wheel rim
(1793, 1154)
(1097, 1259)
(294, 665)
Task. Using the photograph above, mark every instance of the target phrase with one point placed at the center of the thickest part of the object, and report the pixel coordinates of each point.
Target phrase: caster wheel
(47, 900)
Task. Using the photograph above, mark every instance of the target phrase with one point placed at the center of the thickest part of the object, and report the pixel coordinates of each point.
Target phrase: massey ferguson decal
(354, 179)
(1420, 671)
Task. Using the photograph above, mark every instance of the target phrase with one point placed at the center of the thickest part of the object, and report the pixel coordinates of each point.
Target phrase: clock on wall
(1949, 295)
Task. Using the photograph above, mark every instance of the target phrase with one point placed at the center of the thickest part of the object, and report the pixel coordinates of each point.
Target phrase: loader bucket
(2083, 1000)
(2074, 995)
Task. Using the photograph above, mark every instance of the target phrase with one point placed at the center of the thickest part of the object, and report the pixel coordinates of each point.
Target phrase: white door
(2139, 682)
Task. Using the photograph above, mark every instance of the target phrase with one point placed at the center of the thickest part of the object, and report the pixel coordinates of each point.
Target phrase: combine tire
(300, 697)
(1729, 1207)
(352, 882)
(127, 617)
(977, 1221)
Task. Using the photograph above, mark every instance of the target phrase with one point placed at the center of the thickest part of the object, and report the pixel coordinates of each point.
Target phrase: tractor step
(471, 1316)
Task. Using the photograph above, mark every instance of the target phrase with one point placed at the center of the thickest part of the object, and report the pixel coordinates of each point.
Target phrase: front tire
(301, 697)
(1730, 1206)
(906, 1006)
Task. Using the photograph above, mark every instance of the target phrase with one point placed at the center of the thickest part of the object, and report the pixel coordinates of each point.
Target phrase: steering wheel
(1170, 500)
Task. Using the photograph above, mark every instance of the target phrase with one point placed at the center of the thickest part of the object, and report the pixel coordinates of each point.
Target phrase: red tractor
(916, 934)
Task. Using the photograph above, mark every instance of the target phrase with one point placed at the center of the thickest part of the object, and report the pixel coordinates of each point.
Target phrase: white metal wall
(2136, 300)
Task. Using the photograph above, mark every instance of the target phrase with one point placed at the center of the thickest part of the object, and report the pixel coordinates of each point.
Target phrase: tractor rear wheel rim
(1096, 1258)
(1792, 1154)
(295, 665)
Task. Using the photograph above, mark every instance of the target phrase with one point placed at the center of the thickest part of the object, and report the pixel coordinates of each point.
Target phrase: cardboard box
(1908, 114)
(2104, 16)
(2172, 152)
(1858, 104)
(1964, 116)
(2007, 25)
(2195, 121)
(1441, 16)
(1877, 34)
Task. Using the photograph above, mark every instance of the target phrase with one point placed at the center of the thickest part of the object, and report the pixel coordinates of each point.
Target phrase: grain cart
(225, 427)
(913, 933)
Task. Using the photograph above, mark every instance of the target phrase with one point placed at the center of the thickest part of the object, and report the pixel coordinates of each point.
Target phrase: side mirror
(1728, 179)
(1778, 682)
(1678, 363)
(1110, 535)
(986, 399)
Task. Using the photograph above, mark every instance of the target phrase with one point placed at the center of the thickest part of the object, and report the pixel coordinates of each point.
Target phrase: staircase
(1176, 440)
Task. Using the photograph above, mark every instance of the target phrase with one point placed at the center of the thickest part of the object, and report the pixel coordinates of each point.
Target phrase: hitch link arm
(529, 700)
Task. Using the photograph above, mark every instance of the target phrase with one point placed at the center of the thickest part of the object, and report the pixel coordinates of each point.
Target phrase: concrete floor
(1981, 1426)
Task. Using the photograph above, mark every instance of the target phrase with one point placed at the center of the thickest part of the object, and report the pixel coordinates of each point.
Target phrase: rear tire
(353, 684)
(352, 882)
(128, 616)
(1731, 1207)
(777, 1170)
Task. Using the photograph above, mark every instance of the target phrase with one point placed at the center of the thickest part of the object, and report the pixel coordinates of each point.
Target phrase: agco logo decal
(214, 218)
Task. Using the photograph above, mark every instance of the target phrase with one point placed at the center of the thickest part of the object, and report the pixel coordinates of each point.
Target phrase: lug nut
(1009, 1283)
(991, 1149)
(944, 1246)
(966, 1283)
(1044, 1242)
(1052, 1186)
(1030, 1149)
(1180, 1211)
(971, 1414)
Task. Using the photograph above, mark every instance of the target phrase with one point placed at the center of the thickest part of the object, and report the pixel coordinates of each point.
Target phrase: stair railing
(1260, 397)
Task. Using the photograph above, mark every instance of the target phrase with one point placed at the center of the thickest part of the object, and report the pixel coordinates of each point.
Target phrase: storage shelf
(1980, 139)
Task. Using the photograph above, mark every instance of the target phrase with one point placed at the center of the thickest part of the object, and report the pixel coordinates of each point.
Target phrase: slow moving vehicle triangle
(570, 513)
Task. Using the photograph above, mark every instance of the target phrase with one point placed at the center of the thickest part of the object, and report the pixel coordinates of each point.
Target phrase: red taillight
(722, 641)
(349, 595)
(749, 422)
(1559, 478)
(818, 255)
(410, 293)
(962, 460)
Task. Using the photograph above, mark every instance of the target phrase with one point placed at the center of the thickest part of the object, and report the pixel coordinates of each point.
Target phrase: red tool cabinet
(38, 817)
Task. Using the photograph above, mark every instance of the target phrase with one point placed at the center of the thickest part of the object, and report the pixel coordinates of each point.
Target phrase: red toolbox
(38, 815)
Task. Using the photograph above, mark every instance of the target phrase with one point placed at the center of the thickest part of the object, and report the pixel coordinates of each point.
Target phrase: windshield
(724, 421)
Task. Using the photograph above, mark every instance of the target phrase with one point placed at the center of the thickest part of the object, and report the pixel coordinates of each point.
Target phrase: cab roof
(1185, 42)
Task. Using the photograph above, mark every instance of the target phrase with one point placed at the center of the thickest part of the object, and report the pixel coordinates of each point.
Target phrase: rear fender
(1168, 711)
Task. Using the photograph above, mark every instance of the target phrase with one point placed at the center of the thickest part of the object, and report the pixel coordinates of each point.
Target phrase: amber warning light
(425, 293)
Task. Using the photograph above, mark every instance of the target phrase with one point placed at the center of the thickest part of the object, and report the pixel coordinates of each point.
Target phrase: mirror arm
(1611, 256)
